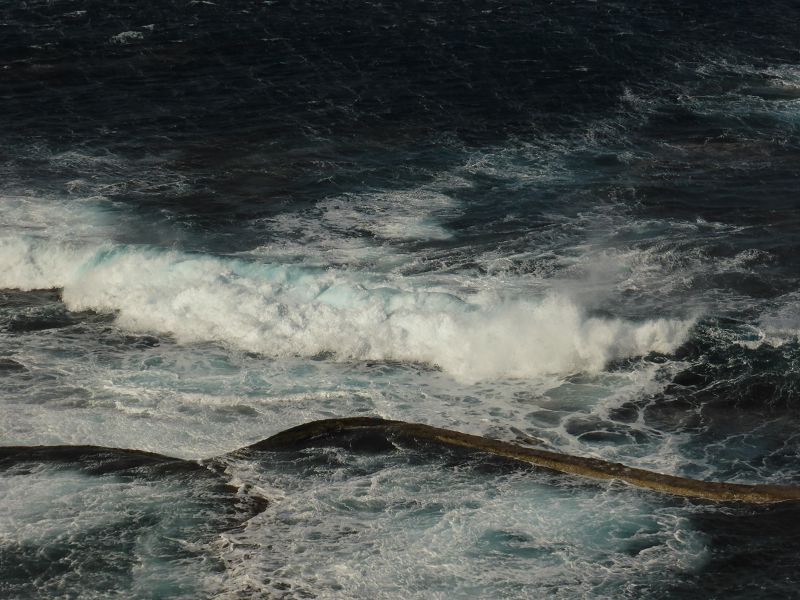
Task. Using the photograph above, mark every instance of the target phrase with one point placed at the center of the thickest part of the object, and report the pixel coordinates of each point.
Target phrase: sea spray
(282, 311)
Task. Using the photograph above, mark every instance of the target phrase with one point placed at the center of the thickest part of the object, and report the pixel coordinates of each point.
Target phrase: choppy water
(579, 220)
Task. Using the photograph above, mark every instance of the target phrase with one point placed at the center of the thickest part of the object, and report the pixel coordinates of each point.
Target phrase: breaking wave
(279, 310)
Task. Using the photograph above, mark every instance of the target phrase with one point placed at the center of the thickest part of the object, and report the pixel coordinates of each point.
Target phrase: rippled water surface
(574, 222)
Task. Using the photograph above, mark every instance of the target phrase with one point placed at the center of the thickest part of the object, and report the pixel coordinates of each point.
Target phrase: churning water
(576, 221)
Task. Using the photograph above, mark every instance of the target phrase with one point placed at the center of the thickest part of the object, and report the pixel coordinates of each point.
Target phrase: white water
(480, 354)
(70, 534)
(338, 338)
(356, 527)
(284, 311)
(345, 315)
(369, 527)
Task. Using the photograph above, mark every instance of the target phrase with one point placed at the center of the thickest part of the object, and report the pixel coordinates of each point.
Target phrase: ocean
(573, 224)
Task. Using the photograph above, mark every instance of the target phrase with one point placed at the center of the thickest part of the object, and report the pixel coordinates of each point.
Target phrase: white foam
(286, 311)
(126, 37)
(81, 219)
(56, 512)
(402, 215)
(778, 326)
(364, 229)
(441, 532)
(28, 264)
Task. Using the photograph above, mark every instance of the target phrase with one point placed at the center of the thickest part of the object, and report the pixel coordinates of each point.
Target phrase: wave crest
(280, 310)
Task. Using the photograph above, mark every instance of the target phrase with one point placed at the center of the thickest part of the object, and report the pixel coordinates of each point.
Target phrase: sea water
(574, 222)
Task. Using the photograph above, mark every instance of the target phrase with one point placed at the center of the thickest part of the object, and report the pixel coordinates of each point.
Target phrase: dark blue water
(579, 220)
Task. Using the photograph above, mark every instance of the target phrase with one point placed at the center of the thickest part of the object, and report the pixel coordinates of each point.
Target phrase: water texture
(572, 222)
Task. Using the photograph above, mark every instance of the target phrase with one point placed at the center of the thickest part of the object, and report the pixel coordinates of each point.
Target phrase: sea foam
(279, 311)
